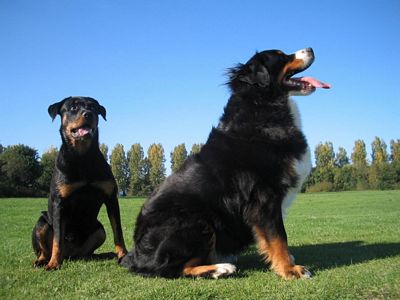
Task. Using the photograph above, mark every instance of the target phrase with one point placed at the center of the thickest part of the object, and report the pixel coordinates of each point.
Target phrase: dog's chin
(302, 92)
(79, 139)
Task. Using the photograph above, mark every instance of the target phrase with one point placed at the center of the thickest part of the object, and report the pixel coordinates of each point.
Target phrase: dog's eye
(73, 108)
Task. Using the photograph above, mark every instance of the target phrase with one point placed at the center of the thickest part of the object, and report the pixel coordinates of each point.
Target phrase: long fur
(238, 180)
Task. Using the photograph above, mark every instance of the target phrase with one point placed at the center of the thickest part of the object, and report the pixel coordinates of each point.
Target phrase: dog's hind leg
(197, 267)
(94, 241)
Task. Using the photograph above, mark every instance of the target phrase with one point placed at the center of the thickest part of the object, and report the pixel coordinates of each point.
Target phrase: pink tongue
(83, 131)
(315, 83)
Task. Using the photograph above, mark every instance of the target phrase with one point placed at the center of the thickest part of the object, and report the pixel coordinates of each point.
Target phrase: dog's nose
(309, 50)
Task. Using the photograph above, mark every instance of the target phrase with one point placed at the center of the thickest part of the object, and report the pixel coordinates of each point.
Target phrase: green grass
(350, 241)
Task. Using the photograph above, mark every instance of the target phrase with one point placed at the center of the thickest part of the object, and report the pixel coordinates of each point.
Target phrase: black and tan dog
(81, 183)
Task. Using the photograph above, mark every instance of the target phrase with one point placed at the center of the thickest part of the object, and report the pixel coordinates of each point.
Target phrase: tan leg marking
(120, 251)
(43, 254)
(54, 263)
(275, 252)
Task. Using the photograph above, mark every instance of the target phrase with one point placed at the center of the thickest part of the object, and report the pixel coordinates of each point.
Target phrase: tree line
(23, 173)
(339, 172)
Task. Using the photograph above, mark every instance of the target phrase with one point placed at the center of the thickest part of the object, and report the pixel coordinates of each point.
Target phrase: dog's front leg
(272, 243)
(115, 220)
(58, 237)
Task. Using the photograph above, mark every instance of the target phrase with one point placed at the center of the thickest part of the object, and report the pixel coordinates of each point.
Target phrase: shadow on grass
(95, 257)
(327, 256)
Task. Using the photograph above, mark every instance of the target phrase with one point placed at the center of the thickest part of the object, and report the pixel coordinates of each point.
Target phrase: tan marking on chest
(66, 189)
(106, 186)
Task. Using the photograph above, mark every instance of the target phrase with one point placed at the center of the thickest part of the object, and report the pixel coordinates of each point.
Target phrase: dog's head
(273, 70)
(79, 120)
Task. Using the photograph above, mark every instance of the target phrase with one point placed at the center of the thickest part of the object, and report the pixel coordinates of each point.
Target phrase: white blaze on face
(305, 55)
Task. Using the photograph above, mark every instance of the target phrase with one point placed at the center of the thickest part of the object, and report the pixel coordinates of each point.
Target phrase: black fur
(236, 182)
(82, 181)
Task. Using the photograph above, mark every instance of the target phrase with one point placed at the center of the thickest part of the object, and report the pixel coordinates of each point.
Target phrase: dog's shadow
(95, 257)
(326, 256)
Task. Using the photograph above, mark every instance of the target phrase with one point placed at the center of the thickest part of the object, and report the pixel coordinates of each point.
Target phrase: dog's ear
(102, 111)
(99, 108)
(54, 109)
(256, 75)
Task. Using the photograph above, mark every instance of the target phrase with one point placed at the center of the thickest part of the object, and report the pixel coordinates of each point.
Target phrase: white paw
(306, 274)
(223, 270)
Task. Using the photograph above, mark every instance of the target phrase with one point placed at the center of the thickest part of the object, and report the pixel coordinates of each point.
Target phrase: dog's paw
(52, 266)
(296, 272)
(40, 263)
(120, 251)
(223, 270)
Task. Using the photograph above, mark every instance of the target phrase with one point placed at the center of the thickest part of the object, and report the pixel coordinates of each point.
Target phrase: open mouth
(305, 83)
(302, 85)
(81, 132)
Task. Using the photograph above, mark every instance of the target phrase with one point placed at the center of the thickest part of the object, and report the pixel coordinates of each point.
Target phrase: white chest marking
(302, 167)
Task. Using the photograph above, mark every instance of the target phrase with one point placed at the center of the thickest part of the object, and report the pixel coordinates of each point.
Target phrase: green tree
(20, 168)
(395, 150)
(120, 169)
(156, 158)
(359, 155)
(47, 162)
(146, 186)
(343, 178)
(104, 149)
(325, 162)
(341, 159)
(178, 156)
(382, 175)
(395, 161)
(196, 148)
(379, 151)
(136, 169)
(4, 186)
(360, 165)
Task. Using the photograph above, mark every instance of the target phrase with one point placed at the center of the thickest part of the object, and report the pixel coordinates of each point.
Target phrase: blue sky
(158, 66)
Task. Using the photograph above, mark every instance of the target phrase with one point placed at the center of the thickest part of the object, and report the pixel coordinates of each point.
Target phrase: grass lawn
(349, 241)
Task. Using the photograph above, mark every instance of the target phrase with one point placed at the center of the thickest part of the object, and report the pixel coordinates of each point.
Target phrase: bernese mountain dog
(235, 191)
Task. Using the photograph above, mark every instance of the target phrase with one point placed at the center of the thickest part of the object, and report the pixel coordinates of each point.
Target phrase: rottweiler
(82, 181)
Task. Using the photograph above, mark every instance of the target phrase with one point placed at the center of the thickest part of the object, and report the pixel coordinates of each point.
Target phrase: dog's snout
(306, 54)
